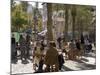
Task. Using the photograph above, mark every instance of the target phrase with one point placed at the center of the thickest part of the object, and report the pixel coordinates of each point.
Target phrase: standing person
(51, 58)
(37, 56)
(59, 42)
(78, 49)
(72, 47)
(18, 49)
(13, 49)
(66, 49)
(82, 39)
(88, 45)
(61, 60)
(42, 45)
(78, 45)
(28, 46)
(40, 67)
(83, 43)
(22, 42)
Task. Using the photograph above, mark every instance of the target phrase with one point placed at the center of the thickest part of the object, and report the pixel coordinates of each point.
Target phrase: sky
(32, 3)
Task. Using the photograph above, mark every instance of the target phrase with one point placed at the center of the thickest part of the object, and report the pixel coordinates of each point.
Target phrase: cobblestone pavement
(87, 62)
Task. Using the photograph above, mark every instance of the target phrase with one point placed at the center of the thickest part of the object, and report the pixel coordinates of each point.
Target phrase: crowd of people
(48, 56)
(23, 47)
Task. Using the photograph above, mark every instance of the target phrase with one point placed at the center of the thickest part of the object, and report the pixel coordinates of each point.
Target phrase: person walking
(28, 39)
(22, 42)
(13, 49)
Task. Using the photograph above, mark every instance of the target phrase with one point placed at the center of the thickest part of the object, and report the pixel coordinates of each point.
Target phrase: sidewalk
(22, 68)
(86, 63)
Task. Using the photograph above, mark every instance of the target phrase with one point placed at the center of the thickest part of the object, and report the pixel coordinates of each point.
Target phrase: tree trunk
(73, 21)
(49, 22)
(66, 23)
(81, 27)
